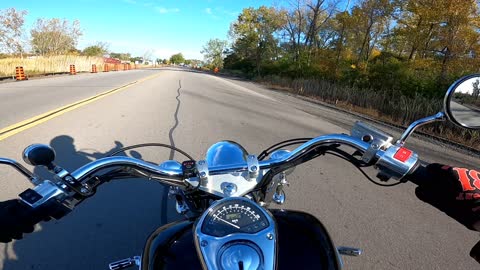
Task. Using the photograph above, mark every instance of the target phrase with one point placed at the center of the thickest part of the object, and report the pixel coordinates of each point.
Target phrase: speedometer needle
(229, 223)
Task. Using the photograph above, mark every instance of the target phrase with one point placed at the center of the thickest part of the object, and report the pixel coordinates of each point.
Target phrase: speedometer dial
(234, 216)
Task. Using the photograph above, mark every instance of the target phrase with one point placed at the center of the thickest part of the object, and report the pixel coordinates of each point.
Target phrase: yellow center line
(44, 117)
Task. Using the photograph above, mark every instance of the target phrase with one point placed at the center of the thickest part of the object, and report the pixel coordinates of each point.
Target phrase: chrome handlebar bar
(392, 160)
(177, 174)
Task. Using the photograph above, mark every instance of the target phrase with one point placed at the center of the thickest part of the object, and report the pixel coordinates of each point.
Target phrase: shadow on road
(111, 225)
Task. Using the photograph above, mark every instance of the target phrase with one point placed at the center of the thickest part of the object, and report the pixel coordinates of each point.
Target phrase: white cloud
(208, 10)
(163, 10)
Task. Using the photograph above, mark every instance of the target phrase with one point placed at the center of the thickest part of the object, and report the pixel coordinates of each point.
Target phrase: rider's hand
(17, 218)
(455, 191)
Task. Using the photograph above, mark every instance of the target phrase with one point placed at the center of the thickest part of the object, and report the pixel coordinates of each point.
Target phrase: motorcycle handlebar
(177, 174)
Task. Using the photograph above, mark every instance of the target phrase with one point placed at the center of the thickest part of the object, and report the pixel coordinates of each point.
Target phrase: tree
(213, 52)
(54, 36)
(177, 58)
(136, 59)
(11, 29)
(121, 56)
(99, 49)
(254, 34)
(147, 55)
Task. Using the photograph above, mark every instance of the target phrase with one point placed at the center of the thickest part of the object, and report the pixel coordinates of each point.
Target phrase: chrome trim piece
(209, 247)
(279, 197)
(216, 183)
(273, 187)
(253, 167)
(125, 263)
(247, 253)
(226, 153)
(203, 173)
(170, 167)
(349, 251)
(440, 116)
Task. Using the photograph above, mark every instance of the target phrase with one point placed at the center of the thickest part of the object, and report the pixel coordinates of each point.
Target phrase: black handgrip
(419, 175)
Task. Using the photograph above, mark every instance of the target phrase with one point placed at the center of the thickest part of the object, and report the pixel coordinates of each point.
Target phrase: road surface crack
(175, 116)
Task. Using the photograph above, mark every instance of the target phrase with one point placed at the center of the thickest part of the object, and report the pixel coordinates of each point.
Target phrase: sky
(136, 26)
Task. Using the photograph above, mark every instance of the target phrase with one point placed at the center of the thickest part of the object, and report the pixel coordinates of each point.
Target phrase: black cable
(152, 144)
(280, 145)
(359, 167)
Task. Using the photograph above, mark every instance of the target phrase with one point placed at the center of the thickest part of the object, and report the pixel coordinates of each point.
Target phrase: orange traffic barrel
(215, 70)
(105, 68)
(72, 70)
(94, 68)
(20, 74)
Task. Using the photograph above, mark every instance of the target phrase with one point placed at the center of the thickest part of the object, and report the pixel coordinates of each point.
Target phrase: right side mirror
(462, 102)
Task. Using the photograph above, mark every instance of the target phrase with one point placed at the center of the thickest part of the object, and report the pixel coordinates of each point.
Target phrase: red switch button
(403, 154)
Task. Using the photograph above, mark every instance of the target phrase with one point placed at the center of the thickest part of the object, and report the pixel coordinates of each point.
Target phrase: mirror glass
(463, 102)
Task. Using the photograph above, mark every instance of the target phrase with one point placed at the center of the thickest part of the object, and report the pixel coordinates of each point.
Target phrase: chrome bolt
(253, 168)
(374, 145)
(84, 190)
(269, 236)
(204, 243)
(229, 189)
(201, 162)
(69, 179)
(203, 174)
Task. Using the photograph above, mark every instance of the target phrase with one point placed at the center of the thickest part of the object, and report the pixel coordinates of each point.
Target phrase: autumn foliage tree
(411, 46)
(54, 36)
(11, 31)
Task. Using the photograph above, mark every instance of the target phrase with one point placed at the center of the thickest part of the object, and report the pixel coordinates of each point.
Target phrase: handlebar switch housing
(189, 169)
(396, 162)
(46, 195)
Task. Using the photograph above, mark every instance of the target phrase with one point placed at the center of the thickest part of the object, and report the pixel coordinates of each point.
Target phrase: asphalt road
(193, 111)
(465, 115)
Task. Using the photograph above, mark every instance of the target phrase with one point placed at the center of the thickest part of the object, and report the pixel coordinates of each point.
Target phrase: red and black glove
(453, 190)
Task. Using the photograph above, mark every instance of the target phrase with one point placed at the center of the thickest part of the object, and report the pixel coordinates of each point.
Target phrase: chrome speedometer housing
(234, 216)
(236, 233)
